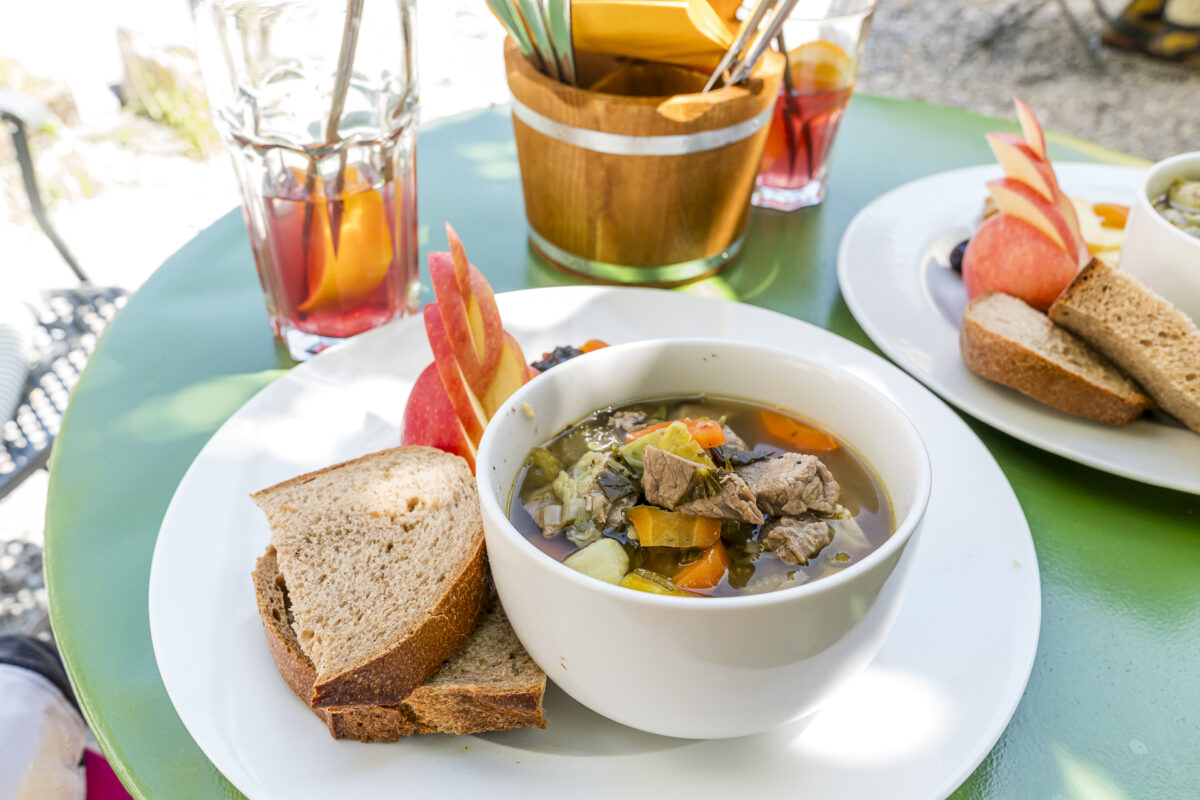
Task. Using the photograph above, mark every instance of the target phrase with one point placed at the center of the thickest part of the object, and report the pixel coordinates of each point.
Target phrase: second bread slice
(490, 684)
(383, 557)
(1152, 339)
(1006, 341)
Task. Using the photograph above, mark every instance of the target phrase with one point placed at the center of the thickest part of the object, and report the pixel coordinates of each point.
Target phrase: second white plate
(915, 724)
(893, 274)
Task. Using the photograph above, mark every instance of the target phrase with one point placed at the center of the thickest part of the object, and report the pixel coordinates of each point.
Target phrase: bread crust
(455, 708)
(1009, 362)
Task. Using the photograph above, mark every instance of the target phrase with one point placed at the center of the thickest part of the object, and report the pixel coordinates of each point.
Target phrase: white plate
(915, 724)
(893, 272)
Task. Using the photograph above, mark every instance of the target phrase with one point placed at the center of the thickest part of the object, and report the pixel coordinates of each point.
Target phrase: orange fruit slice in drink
(820, 67)
(339, 279)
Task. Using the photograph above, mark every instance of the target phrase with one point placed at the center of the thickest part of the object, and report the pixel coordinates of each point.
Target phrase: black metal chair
(68, 323)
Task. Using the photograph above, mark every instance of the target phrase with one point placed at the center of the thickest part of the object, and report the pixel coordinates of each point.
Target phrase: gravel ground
(113, 172)
(976, 55)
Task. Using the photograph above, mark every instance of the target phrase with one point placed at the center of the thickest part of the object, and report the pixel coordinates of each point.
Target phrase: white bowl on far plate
(702, 668)
(1162, 256)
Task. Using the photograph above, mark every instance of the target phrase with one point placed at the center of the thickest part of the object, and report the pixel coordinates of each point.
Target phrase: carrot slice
(706, 432)
(593, 344)
(1112, 215)
(706, 572)
(798, 435)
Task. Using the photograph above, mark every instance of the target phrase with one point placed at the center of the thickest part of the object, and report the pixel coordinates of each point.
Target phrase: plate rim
(979, 407)
(1021, 668)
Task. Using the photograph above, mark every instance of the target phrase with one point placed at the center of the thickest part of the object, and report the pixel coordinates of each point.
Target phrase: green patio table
(1112, 709)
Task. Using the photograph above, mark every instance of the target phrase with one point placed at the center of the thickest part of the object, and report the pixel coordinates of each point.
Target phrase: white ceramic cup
(1162, 256)
(701, 667)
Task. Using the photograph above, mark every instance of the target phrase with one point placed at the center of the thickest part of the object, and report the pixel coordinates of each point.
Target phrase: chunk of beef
(796, 539)
(792, 484)
(667, 478)
(628, 420)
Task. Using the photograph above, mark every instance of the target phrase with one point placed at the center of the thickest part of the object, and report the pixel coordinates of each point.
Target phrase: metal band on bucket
(619, 273)
(624, 145)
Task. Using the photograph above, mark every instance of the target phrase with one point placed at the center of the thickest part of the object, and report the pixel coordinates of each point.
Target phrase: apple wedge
(463, 400)
(430, 419)
(1019, 200)
(478, 364)
(1031, 128)
(470, 314)
(1009, 255)
(1020, 163)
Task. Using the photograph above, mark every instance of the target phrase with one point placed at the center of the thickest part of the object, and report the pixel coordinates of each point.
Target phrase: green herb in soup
(700, 496)
(1180, 205)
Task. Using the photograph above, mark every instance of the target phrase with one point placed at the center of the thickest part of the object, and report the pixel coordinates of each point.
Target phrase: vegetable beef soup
(700, 496)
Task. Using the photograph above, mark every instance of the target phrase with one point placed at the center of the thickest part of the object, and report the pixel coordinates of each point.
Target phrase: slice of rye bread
(491, 684)
(1143, 333)
(384, 560)
(1008, 341)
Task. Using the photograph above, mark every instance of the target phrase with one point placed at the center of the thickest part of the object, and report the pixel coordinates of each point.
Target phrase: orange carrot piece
(706, 432)
(706, 572)
(1112, 215)
(800, 436)
(593, 344)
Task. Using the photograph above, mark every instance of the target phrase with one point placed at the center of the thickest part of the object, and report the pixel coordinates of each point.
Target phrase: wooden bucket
(651, 190)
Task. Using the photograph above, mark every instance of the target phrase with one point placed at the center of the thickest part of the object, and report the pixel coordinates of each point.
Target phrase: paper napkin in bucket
(688, 33)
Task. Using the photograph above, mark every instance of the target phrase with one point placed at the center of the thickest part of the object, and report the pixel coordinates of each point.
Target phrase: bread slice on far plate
(1007, 341)
(1141, 331)
(383, 557)
(490, 684)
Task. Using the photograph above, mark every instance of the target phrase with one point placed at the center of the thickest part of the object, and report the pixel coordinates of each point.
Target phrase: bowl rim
(1174, 166)
(905, 528)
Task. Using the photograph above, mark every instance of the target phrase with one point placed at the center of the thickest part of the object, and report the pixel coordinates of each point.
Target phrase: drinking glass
(823, 40)
(317, 104)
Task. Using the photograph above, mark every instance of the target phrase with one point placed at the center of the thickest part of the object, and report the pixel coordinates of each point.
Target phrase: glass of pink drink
(824, 46)
(318, 109)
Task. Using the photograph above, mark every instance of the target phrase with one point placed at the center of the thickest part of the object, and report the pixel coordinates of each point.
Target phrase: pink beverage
(317, 104)
(333, 286)
(794, 166)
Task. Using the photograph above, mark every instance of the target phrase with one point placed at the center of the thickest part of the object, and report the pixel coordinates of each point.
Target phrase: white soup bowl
(1156, 252)
(701, 667)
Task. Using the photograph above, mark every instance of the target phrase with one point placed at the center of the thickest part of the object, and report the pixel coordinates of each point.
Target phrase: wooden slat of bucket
(683, 109)
(638, 210)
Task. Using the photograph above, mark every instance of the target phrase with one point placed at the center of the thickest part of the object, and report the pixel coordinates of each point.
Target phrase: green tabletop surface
(1112, 709)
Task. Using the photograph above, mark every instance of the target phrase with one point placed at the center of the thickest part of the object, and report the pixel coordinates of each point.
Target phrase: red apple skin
(1031, 128)
(430, 420)
(1020, 163)
(465, 403)
(1011, 256)
(478, 353)
(1019, 199)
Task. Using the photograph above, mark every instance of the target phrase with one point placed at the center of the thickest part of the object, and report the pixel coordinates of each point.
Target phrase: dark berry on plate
(556, 357)
(956, 255)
